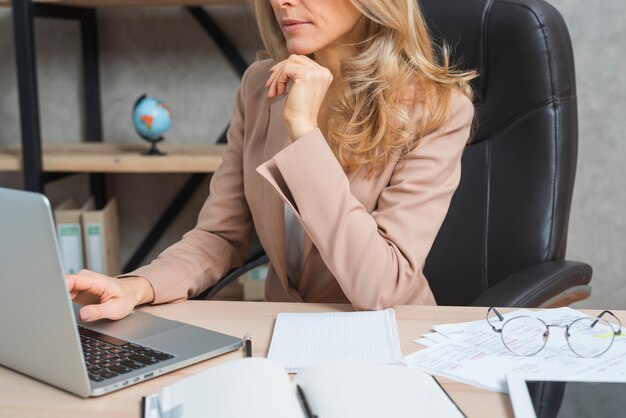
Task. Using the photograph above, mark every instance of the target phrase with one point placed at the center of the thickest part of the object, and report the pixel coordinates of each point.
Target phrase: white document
(476, 355)
(432, 338)
(426, 342)
(304, 339)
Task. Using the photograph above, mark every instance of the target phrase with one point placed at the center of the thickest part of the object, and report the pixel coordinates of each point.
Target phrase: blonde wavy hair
(370, 122)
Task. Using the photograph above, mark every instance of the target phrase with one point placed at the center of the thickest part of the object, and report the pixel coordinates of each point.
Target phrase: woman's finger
(280, 83)
(269, 78)
(274, 71)
(270, 85)
(111, 309)
(289, 71)
(278, 71)
(281, 73)
(85, 282)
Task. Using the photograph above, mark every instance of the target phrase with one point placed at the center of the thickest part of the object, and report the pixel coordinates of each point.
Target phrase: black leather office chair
(503, 240)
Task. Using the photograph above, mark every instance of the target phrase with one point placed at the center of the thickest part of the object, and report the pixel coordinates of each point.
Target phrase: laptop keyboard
(107, 357)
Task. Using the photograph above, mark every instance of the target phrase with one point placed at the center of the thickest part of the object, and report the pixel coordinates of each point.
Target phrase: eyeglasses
(527, 335)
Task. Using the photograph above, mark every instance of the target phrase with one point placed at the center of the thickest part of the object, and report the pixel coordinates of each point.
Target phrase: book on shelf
(67, 216)
(101, 237)
(88, 237)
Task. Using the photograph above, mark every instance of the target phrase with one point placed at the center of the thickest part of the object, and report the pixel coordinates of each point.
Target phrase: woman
(343, 152)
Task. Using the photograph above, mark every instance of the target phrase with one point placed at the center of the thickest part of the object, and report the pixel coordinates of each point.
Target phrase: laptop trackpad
(135, 326)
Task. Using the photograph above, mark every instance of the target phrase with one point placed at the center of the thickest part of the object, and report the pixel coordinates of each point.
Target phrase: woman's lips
(293, 26)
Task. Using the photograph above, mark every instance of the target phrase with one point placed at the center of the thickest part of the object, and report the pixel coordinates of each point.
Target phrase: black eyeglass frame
(547, 332)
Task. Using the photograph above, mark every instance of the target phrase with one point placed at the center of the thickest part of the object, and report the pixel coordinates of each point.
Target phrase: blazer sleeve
(221, 236)
(377, 258)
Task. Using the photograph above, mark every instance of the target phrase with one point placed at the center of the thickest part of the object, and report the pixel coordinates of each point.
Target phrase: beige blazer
(366, 238)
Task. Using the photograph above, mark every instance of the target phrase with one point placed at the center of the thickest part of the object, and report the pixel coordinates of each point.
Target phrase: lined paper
(303, 339)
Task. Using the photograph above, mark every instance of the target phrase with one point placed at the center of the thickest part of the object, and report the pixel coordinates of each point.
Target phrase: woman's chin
(300, 49)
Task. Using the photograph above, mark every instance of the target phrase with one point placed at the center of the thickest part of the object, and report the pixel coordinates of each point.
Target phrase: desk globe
(151, 118)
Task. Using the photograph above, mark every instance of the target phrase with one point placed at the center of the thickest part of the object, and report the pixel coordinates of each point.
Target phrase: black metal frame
(28, 94)
(24, 12)
(35, 178)
(229, 50)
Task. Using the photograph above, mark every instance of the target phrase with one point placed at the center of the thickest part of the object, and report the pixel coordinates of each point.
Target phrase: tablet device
(566, 396)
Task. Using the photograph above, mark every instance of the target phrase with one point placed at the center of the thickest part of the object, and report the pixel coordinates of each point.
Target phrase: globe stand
(153, 151)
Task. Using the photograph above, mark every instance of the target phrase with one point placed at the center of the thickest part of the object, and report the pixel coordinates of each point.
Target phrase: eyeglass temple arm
(619, 331)
(498, 314)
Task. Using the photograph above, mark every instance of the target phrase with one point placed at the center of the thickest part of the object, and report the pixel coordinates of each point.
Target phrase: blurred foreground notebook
(304, 339)
(258, 387)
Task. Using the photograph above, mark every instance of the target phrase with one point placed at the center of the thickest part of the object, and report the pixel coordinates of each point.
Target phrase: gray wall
(597, 224)
(163, 52)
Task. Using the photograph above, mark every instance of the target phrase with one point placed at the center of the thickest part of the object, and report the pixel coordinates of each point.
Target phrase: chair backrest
(511, 209)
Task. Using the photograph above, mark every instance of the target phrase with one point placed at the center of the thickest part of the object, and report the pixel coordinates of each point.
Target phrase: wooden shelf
(134, 3)
(116, 158)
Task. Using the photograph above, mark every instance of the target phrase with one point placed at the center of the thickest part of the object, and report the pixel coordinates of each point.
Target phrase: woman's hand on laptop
(107, 297)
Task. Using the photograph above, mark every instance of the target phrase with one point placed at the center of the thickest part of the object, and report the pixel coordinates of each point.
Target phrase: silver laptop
(39, 331)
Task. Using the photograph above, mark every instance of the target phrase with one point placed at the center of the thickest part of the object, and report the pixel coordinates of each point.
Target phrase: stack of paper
(473, 353)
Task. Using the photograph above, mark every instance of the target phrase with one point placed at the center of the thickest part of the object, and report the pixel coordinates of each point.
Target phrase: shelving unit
(44, 163)
(119, 158)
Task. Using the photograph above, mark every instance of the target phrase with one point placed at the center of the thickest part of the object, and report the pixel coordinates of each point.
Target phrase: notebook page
(339, 390)
(303, 339)
(248, 387)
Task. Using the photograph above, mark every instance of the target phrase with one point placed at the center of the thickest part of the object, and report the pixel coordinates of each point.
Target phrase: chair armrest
(549, 284)
(256, 257)
(232, 275)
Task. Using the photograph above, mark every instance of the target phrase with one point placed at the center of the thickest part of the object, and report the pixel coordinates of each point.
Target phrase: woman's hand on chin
(309, 84)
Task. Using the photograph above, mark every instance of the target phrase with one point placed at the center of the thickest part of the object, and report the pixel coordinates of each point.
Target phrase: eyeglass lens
(524, 335)
(590, 337)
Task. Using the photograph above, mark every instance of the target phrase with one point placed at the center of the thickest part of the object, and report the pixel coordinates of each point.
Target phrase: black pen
(305, 403)
(248, 344)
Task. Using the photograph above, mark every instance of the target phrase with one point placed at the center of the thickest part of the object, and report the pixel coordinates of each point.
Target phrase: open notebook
(258, 387)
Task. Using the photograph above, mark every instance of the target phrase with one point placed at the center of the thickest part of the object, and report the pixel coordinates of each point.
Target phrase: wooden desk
(21, 396)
